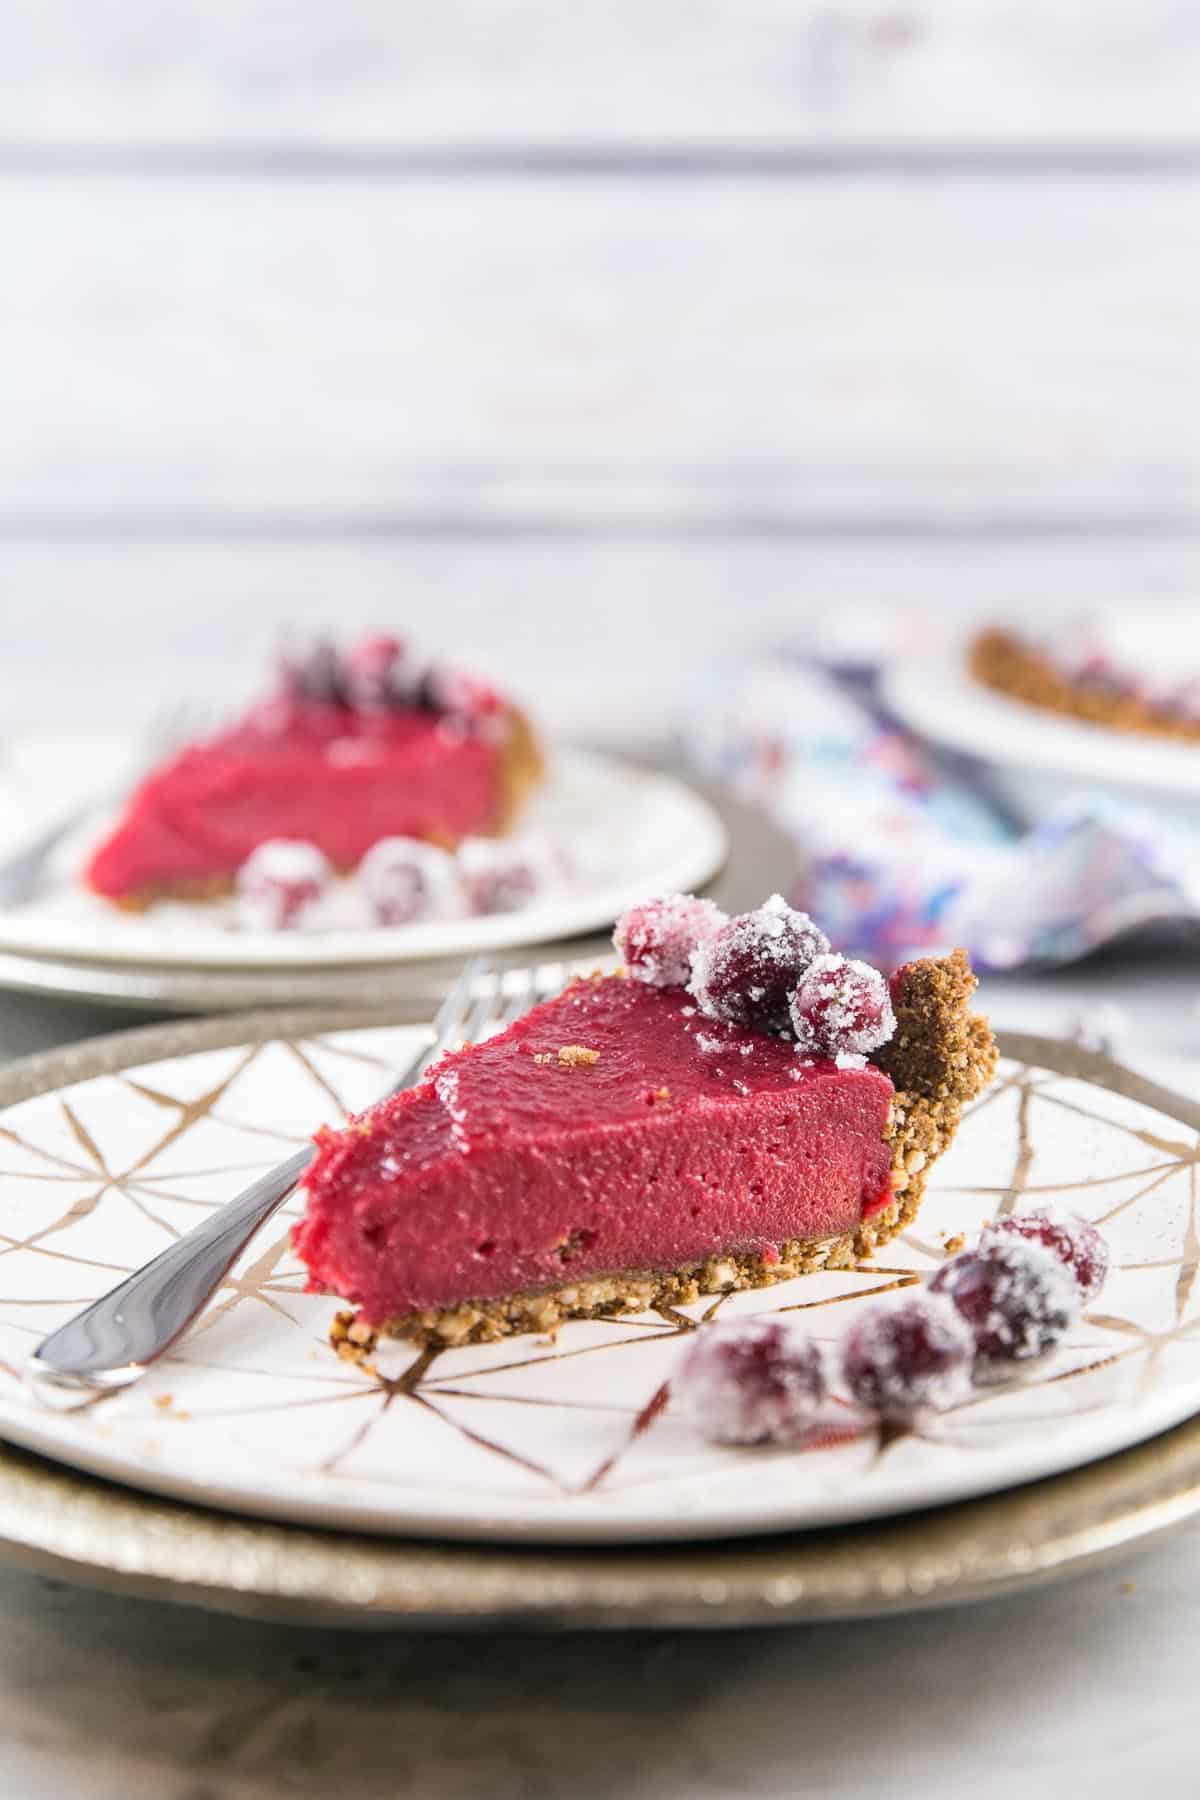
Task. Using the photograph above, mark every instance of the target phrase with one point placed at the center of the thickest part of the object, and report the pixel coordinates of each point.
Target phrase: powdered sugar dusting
(1074, 1240)
(658, 939)
(280, 885)
(751, 1381)
(912, 1355)
(745, 972)
(404, 880)
(841, 1008)
(1017, 1297)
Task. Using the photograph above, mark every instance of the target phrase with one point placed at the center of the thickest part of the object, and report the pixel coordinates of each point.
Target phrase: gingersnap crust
(1003, 661)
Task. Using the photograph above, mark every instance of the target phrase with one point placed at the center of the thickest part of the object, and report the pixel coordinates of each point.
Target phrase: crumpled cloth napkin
(902, 849)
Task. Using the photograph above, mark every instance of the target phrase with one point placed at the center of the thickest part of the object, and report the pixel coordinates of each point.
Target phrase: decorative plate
(629, 833)
(117, 1147)
(937, 697)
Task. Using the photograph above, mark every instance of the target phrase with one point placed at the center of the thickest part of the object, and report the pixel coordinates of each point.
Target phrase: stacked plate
(629, 831)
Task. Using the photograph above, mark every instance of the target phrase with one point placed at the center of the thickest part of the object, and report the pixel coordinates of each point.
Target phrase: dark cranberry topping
(404, 880)
(747, 971)
(1017, 1298)
(751, 1381)
(658, 939)
(841, 1008)
(900, 1359)
(505, 874)
(1073, 1239)
(378, 675)
(280, 884)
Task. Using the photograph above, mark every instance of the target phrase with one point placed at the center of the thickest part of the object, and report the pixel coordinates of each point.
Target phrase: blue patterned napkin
(901, 849)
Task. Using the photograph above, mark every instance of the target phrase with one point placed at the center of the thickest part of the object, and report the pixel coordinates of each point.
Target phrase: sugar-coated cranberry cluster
(382, 674)
(290, 886)
(987, 1315)
(768, 970)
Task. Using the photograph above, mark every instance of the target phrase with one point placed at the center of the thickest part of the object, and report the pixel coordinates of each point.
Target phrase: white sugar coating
(280, 884)
(745, 972)
(750, 1381)
(915, 1353)
(404, 880)
(841, 1007)
(657, 939)
(1078, 1244)
(709, 1045)
(1017, 1297)
(505, 874)
(289, 860)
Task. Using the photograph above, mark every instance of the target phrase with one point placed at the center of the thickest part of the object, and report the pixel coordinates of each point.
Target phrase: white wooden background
(610, 338)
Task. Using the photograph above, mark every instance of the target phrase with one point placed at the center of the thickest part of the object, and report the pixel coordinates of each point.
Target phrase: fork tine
(457, 1003)
(447, 1024)
(519, 995)
(486, 1006)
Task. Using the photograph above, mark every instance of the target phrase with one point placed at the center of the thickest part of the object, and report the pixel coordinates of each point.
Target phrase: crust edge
(1003, 661)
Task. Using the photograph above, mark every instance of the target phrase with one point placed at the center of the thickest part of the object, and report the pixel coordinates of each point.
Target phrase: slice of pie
(350, 749)
(634, 1142)
(1129, 671)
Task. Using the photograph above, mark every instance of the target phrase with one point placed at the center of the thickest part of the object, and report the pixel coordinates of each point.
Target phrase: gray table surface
(1080, 1687)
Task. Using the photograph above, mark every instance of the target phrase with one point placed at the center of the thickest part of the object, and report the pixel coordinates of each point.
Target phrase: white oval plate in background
(631, 832)
(937, 697)
(571, 1440)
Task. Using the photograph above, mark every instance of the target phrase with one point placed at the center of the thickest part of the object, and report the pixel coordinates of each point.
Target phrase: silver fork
(112, 1342)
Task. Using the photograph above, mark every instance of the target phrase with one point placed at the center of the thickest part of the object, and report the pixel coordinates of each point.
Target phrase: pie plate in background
(1036, 756)
(629, 831)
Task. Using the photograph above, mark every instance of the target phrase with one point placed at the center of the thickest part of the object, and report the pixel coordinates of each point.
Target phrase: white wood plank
(605, 640)
(367, 74)
(514, 351)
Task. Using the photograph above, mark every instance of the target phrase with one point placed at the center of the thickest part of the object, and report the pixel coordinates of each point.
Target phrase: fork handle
(110, 1343)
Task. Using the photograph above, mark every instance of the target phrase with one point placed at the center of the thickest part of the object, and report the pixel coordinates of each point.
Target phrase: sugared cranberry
(404, 880)
(280, 884)
(657, 940)
(503, 875)
(465, 699)
(899, 1360)
(379, 675)
(747, 971)
(841, 1008)
(751, 1381)
(314, 673)
(1073, 1239)
(1017, 1298)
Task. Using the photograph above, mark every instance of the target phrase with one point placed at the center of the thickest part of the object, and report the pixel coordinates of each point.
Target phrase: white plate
(937, 697)
(631, 832)
(530, 1439)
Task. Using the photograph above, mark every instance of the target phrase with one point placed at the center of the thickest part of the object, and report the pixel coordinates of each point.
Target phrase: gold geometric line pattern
(265, 1279)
